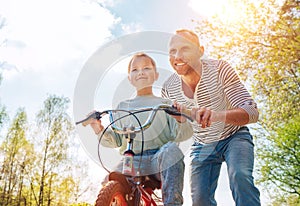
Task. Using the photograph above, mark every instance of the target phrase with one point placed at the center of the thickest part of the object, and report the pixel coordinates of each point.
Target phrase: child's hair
(141, 54)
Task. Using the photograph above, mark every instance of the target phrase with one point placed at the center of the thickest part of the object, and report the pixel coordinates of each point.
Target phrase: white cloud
(44, 45)
(132, 28)
(43, 34)
(108, 3)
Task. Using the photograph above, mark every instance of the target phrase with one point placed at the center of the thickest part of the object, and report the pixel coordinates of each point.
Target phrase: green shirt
(163, 129)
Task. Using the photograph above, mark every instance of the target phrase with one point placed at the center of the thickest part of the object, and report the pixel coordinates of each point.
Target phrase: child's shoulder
(165, 100)
(144, 101)
(155, 99)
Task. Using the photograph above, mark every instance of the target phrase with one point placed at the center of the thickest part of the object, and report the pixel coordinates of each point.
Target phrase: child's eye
(147, 68)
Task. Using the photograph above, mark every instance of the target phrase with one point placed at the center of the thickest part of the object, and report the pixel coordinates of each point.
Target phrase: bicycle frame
(128, 170)
(133, 184)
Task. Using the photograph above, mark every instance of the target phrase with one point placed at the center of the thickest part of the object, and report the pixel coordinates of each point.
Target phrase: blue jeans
(206, 160)
(168, 166)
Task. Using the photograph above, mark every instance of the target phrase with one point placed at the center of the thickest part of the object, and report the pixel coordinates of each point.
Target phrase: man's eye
(147, 68)
(172, 52)
(185, 49)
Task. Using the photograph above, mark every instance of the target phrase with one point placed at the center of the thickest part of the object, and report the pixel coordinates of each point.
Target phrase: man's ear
(129, 79)
(201, 49)
(156, 76)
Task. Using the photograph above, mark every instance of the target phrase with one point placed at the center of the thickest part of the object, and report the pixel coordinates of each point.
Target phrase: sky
(45, 44)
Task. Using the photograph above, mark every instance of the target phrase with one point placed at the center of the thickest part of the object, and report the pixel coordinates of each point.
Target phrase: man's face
(184, 55)
(142, 73)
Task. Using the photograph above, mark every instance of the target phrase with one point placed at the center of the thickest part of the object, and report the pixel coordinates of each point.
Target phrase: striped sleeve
(235, 91)
(164, 92)
(171, 88)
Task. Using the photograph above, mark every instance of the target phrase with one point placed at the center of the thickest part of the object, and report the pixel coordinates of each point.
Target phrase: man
(222, 107)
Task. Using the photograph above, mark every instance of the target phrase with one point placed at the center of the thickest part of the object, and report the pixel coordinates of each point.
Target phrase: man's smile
(180, 63)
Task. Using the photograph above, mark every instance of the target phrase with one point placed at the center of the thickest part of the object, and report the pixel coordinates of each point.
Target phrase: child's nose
(141, 71)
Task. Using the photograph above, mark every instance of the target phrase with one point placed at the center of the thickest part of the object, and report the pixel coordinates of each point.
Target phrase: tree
(41, 167)
(16, 151)
(3, 113)
(55, 129)
(282, 160)
(264, 45)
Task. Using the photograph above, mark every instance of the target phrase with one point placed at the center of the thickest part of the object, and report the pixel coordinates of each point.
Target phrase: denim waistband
(148, 152)
(243, 128)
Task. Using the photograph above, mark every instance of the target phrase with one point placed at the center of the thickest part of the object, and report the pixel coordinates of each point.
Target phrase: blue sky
(45, 43)
(50, 41)
(153, 15)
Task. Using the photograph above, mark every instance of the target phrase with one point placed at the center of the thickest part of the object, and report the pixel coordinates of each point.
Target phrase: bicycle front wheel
(113, 194)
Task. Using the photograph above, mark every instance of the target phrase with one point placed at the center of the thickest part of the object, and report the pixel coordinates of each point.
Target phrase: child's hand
(179, 108)
(96, 125)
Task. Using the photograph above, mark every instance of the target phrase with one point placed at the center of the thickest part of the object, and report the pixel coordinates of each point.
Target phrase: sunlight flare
(226, 10)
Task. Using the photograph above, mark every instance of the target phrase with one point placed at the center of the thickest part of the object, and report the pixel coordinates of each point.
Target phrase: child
(161, 155)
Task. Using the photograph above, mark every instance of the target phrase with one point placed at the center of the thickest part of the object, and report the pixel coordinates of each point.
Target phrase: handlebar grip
(185, 112)
(87, 121)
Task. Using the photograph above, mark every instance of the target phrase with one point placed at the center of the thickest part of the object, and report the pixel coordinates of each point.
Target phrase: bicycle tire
(112, 194)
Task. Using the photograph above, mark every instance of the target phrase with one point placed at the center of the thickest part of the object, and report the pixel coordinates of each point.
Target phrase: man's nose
(177, 55)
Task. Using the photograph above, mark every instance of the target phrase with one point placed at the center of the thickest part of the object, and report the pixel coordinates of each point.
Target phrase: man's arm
(243, 108)
(206, 117)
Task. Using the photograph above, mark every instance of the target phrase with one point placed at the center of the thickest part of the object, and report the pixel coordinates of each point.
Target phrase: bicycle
(126, 189)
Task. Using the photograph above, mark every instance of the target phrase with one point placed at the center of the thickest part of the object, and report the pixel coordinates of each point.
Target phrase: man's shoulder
(211, 63)
(215, 65)
(174, 79)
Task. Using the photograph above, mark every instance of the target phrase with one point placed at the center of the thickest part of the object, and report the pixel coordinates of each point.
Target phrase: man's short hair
(189, 35)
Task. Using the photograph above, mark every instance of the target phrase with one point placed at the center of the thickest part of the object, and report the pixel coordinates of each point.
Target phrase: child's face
(142, 73)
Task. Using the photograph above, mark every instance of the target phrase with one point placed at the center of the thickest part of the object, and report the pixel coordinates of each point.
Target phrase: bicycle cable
(131, 113)
(114, 121)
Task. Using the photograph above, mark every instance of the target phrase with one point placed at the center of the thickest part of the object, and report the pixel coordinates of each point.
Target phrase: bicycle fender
(117, 176)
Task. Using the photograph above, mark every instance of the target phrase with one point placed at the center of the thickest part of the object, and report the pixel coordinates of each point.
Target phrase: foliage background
(264, 46)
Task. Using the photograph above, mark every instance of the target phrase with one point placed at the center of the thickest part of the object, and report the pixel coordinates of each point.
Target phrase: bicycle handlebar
(167, 108)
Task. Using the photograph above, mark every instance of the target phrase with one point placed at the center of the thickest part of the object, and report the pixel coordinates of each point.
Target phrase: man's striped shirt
(219, 89)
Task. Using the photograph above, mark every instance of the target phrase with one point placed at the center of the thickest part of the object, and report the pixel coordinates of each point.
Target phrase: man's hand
(203, 116)
(206, 116)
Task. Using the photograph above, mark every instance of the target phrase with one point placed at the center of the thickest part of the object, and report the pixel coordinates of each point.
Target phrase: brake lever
(173, 111)
(95, 115)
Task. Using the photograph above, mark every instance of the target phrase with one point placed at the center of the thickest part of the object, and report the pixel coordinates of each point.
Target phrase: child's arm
(182, 127)
(110, 139)
(184, 131)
